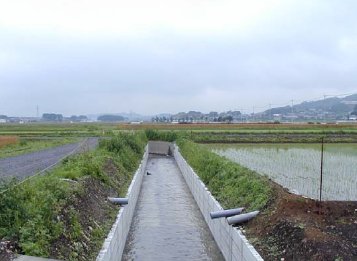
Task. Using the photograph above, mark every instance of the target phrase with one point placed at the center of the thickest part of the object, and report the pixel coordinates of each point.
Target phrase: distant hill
(132, 116)
(333, 105)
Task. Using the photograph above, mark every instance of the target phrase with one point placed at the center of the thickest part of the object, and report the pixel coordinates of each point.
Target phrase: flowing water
(167, 223)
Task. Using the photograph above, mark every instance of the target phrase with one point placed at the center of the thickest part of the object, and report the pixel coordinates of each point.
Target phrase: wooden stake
(321, 169)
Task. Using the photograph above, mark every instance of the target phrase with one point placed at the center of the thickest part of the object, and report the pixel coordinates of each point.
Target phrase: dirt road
(29, 164)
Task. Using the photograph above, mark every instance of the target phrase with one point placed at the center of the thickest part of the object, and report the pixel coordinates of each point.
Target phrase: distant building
(277, 117)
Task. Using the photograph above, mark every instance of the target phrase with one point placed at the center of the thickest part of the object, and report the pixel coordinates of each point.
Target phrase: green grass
(31, 145)
(201, 133)
(42, 211)
(273, 137)
(231, 184)
(170, 136)
(57, 129)
(245, 127)
(259, 135)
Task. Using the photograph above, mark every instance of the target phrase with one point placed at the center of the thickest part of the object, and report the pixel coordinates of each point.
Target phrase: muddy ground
(296, 228)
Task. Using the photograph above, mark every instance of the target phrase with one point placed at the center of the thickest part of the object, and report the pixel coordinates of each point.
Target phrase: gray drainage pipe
(226, 213)
(119, 201)
(242, 218)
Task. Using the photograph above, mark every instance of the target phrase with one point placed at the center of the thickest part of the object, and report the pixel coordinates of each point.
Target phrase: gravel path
(29, 164)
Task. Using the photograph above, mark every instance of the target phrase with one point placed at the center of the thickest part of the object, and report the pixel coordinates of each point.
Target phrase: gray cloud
(306, 49)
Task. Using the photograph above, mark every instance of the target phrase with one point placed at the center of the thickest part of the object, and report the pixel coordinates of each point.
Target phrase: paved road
(167, 223)
(29, 164)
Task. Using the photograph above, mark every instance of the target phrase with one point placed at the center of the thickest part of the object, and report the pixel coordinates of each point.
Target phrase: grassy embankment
(231, 184)
(64, 214)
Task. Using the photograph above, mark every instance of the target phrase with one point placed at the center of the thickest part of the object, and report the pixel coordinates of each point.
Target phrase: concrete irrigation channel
(167, 222)
(29, 164)
(168, 216)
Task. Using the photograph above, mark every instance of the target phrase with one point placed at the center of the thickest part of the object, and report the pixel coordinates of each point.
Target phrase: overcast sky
(91, 56)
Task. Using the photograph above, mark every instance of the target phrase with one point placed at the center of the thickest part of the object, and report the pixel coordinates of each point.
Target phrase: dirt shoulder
(86, 220)
(295, 228)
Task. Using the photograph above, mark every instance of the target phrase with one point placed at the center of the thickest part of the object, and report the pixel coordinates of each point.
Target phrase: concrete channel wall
(232, 243)
(114, 244)
(160, 147)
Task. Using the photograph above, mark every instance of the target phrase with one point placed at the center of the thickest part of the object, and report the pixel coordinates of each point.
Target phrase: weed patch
(65, 214)
(231, 184)
(152, 134)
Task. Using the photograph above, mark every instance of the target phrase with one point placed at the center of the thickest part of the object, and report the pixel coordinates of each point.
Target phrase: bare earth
(296, 228)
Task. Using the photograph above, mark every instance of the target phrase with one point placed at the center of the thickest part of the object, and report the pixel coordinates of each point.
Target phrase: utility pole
(292, 110)
(253, 114)
(324, 115)
(270, 118)
(37, 112)
(241, 115)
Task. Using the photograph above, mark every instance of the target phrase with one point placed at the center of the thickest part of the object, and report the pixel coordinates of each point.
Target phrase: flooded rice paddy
(297, 166)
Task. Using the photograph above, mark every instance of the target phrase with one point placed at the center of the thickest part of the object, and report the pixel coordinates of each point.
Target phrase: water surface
(167, 223)
(298, 166)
